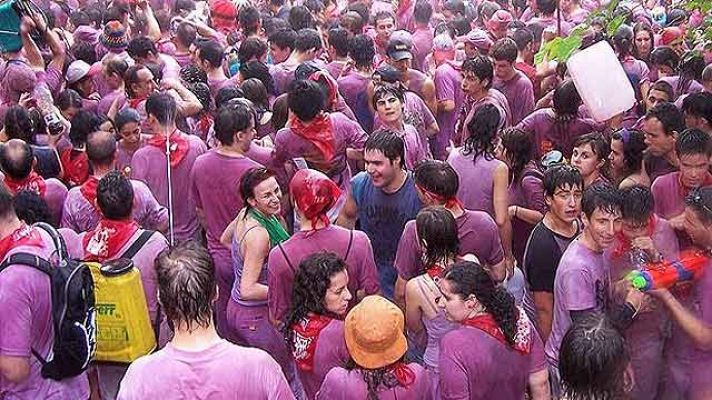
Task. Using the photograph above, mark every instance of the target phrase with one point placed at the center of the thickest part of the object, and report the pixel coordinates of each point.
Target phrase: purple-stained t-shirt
(551, 24)
(669, 198)
(577, 16)
(476, 190)
(581, 283)
(16, 77)
(422, 44)
(149, 165)
(701, 373)
(55, 194)
(80, 215)
(448, 81)
(475, 365)
(124, 156)
(335, 68)
(656, 166)
(170, 67)
(416, 113)
(331, 352)
(53, 77)
(550, 134)
(519, 92)
(347, 134)
(217, 84)
(478, 235)
(218, 197)
(416, 149)
(352, 87)
(637, 68)
(692, 86)
(108, 99)
(25, 306)
(360, 263)
(528, 192)
(469, 108)
(221, 371)
(341, 384)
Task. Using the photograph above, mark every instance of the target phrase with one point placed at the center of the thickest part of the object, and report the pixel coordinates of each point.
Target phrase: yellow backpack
(124, 328)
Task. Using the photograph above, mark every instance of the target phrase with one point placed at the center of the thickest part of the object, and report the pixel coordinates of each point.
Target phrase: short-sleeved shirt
(478, 234)
(475, 365)
(656, 166)
(221, 371)
(581, 284)
(476, 175)
(330, 352)
(341, 384)
(542, 255)
(519, 92)
(548, 133)
(448, 83)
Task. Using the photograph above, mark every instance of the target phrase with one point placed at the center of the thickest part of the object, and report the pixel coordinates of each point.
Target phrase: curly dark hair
(469, 278)
(311, 282)
(633, 150)
(376, 378)
(437, 231)
(482, 130)
(519, 150)
(31, 207)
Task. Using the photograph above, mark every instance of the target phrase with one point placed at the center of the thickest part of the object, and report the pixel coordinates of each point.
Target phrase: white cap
(77, 70)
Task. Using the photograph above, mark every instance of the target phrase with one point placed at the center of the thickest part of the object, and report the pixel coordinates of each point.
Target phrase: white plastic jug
(601, 81)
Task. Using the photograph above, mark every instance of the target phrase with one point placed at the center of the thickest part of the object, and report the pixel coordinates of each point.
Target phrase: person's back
(477, 177)
(342, 384)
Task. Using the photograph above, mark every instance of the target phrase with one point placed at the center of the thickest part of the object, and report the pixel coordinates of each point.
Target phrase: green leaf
(568, 46)
(613, 25)
(611, 7)
(545, 51)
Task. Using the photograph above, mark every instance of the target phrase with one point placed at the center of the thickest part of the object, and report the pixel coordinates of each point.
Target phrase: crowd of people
(361, 199)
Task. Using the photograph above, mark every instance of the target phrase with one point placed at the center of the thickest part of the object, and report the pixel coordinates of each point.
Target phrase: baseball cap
(77, 70)
(399, 49)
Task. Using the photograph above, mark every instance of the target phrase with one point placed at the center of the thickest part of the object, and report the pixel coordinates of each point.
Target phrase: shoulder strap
(138, 244)
(29, 260)
(533, 172)
(284, 254)
(57, 239)
(351, 241)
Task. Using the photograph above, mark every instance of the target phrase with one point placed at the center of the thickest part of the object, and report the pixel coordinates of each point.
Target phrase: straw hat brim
(369, 359)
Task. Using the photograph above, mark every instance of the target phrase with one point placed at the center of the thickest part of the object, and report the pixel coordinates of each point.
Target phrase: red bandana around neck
(34, 183)
(107, 239)
(522, 339)
(684, 191)
(318, 132)
(624, 244)
(306, 335)
(25, 235)
(403, 373)
(179, 146)
(435, 271)
(134, 103)
(76, 166)
(88, 190)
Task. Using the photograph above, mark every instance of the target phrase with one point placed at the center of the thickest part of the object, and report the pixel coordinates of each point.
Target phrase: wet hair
(186, 34)
(212, 52)
(311, 281)
(669, 116)
(69, 98)
(352, 22)
(163, 107)
(593, 360)
(459, 26)
(623, 41)
(599, 144)
(471, 279)
(79, 18)
(18, 124)
(101, 148)
(256, 92)
(250, 49)
(642, 27)
(260, 71)
(141, 47)
(283, 38)
(362, 51)
(520, 150)
(300, 18)
(504, 49)
(280, 112)
(700, 200)
(693, 142)
(249, 19)
(691, 66)
(249, 182)
(633, 149)
(307, 39)
(437, 230)
(186, 284)
(383, 15)
(423, 11)
(437, 177)
(227, 93)
(305, 99)
(481, 66)
(84, 51)
(601, 196)
(126, 116)
(664, 56)
(339, 40)
(83, 123)
(381, 91)
(183, 5)
(131, 77)
(30, 207)
(637, 204)
(388, 143)
(664, 87)
(232, 118)
(699, 105)
(522, 37)
(482, 129)
(546, 7)
(114, 196)
(559, 177)
(117, 67)
(566, 100)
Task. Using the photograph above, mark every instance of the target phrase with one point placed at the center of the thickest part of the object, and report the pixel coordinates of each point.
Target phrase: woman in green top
(257, 228)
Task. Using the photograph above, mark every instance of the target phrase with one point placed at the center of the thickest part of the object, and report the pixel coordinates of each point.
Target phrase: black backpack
(73, 311)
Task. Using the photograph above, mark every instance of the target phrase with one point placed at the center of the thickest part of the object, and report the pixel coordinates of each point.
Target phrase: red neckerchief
(23, 236)
(306, 334)
(133, 103)
(179, 146)
(319, 132)
(449, 203)
(522, 339)
(684, 192)
(624, 244)
(34, 183)
(75, 164)
(404, 375)
(88, 190)
(435, 271)
(107, 238)
(203, 126)
(333, 88)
